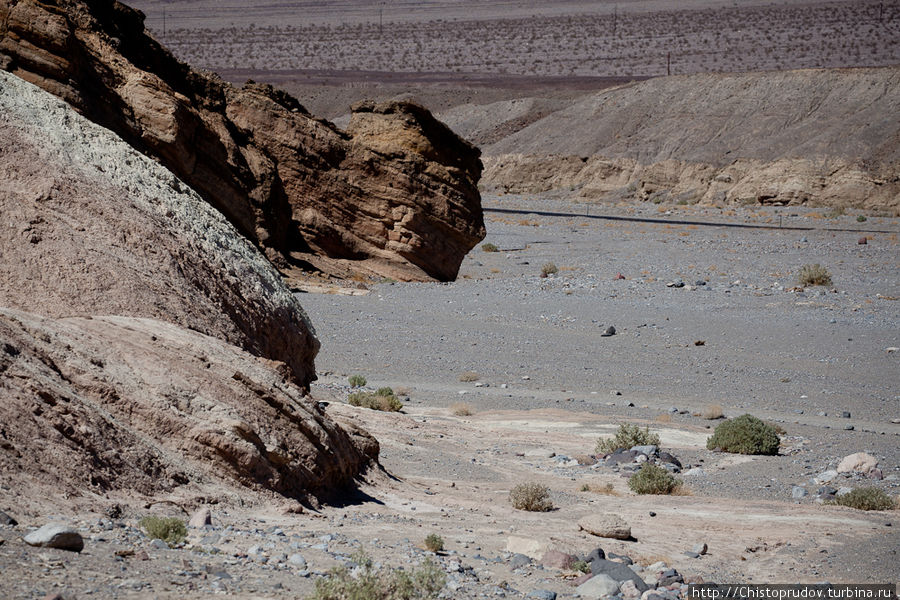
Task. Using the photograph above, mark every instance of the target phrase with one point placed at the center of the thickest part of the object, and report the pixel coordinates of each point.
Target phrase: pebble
(598, 586)
(297, 560)
(158, 544)
(798, 492)
(700, 548)
(542, 595)
(825, 476)
(5, 519)
(608, 332)
(62, 537)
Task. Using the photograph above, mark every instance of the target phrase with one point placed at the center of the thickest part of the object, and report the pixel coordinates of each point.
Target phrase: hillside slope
(812, 136)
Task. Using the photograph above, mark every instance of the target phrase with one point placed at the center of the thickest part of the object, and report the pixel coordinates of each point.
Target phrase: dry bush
(549, 269)
(713, 412)
(531, 496)
(383, 399)
(745, 435)
(866, 498)
(814, 275)
(653, 479)
(462, 409)
(168, 529)
(627, 437)
(469, 376)
(434, 542)
(489, 247)
(663, 418)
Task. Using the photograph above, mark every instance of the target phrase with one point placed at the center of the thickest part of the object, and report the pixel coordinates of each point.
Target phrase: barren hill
(812, 136)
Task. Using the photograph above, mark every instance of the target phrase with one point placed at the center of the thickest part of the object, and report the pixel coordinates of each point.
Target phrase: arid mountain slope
(125, 300)
(297, 186)
(811, 136)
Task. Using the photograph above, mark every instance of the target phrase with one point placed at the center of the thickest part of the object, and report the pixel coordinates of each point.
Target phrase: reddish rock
(862, 241)
(395, 196)
(556, 559)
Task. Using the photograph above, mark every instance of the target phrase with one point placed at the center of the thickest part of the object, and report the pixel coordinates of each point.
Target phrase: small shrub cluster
(814, 275)
(356, 381)
(168, 529)
(581, 566)
(382, 399)
(531, 496)
(489, 247)
(461, 409)
(549, 269)
(627, 436)
(713, 412)
(745, 435)
(468, 376)
(434, 542)
(866, 498)
(653, 479)
(420, 583)
(861, 219)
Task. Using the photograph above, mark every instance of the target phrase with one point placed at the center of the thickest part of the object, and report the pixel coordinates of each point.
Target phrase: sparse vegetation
(489, 247)
(369, 583)
(653, 479)
(356, 381)
(461, 409)
(814, 275)
(168, 529)
(627, 436)
(383, 399)
(866, 498)
(861, 219)
(468, 376)
(581, 566)
(745, 435)
(434, 542)
(531, 496)
(549, 269)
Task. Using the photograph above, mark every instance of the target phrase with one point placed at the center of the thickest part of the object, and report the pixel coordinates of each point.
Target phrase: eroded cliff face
(363, 201)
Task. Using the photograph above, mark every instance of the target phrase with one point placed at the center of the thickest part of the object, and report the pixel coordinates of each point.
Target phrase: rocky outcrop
(98, 404)
(92, 227)
(818, 137)
(397, 199)
(145, 345)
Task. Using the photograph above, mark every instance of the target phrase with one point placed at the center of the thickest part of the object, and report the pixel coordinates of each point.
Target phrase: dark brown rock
(397, 196)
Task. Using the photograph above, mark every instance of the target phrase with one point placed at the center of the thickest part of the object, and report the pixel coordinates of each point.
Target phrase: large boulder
(397, 199)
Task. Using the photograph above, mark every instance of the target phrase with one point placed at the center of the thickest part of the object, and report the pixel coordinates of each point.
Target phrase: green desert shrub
(434, 542)
(356, 381)
(531, 496)
(168, 529)
(383, 399)
(549, 269)
(419, 583)
(866, 498)
(653, 479)
(489, 247)
(861, 219)
(627, 436)
(581, 566)
(745, 435)
(814, 275)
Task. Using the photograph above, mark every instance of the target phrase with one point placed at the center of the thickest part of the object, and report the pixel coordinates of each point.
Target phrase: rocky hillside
(396, 197)
(826, 137)
(145, 345)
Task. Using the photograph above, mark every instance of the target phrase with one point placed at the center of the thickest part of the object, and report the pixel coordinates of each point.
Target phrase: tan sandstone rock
(606, 525)
(859, 462)
(399, 198)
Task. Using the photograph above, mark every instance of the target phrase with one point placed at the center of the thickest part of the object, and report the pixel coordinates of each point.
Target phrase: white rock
(201, 518)
(606, 525)
(56, 536)
(825, 477)
(529, 547)
(859, 462)
(598, 586)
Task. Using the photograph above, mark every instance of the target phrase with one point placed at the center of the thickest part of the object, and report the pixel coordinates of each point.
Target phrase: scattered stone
(297, 560)
(652, 514)
(669, 577)
(606, 525)
(599, 586)
(849, 428)
(845, 414)
(825, 477)
(676, 284)
(5, 519)
(201, 518)
(798, 492)
(648, 450)
(595, 554)
(691, 554)
(557, 560)
(542, 595)
(517, 561)
(859, 462)
(862, 241)
(609, 331)
(527, 546)
(876, 474)
(158, 544)
(629, 590)
(618, 572)
(694, 472)
(668, 458)
(56, 536)
(700, 548)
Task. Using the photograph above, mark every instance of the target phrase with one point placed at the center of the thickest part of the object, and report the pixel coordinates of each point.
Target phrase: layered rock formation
(145, 344)
(818, 137)
(298, 187)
